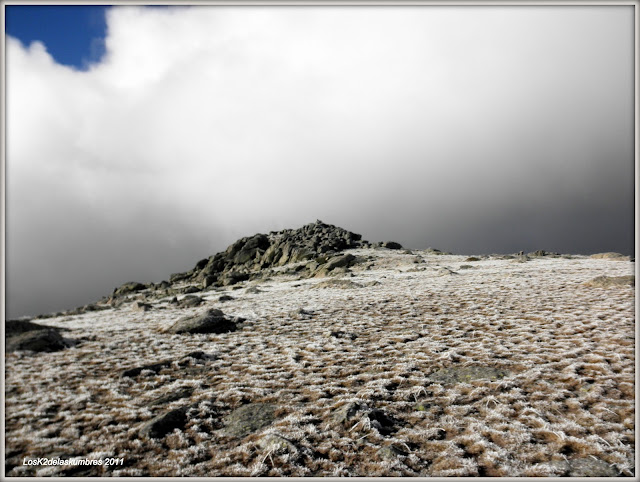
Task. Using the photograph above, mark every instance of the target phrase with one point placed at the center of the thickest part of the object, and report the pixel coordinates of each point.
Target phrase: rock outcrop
(247, 257)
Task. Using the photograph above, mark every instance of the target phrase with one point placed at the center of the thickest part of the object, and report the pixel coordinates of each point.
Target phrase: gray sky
(468, 129)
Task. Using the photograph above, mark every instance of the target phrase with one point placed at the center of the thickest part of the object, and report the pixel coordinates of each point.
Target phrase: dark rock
(154, 367)
(391, 245)
(161, 425)
(382, 422)
(224, 298)
(249, 418)
(15, 327)
(211, 321)
(191, 289)
(47, 340)
(472, 258)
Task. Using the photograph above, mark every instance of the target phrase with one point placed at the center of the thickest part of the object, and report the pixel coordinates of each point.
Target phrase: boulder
(391, 245)
(211, 321)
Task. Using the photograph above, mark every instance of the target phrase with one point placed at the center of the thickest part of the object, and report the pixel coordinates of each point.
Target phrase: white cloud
(207, 123)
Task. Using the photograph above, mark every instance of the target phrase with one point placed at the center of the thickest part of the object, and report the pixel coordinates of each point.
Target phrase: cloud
(469, 129)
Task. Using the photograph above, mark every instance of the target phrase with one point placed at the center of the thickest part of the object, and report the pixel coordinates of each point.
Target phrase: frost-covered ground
(377, 343)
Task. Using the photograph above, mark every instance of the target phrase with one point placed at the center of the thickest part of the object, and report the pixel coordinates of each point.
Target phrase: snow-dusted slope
(377, 342)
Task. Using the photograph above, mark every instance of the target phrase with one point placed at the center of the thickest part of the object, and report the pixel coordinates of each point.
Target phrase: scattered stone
(447, 376)
(276, 445)
(253, 290)
(191, 289)
(154, 367)
(140, 306)
(224, 298)
(610, 281)
(190, 301)
(37, 340)
(391, 452)
(472, 258)
(211, 321)
(249, 418)
(182, 392)
(130, 287)
(465, 266)
(161, 425)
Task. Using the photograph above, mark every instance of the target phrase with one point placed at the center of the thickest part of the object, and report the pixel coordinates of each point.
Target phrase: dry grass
(567, 350)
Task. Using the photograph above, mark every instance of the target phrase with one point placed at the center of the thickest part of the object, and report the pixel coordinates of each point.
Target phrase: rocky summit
(314, 353)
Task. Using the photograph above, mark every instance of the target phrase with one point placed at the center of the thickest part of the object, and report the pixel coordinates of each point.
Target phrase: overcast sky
(468, 129)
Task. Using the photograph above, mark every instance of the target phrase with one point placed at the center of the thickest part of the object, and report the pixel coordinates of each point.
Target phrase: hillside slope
(344, 359)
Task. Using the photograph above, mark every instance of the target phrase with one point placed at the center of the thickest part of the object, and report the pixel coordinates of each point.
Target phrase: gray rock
(248, 418)
(585, 467)
(190, 301)
(211, 321)
(345, 261)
